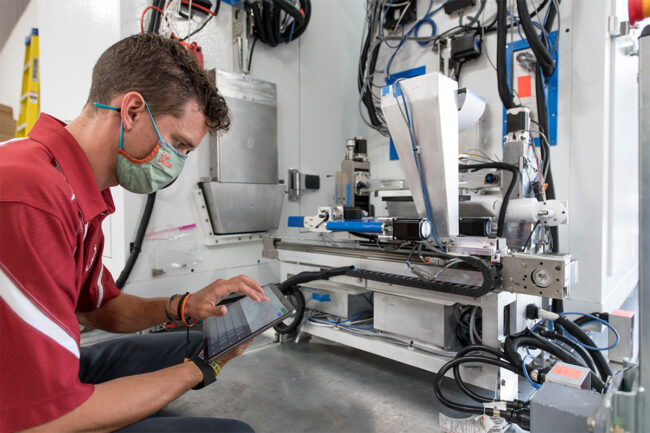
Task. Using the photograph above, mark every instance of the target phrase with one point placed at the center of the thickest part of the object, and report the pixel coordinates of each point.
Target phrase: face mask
(155, 171)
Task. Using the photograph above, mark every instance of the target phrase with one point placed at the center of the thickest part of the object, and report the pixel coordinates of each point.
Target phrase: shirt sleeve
(39, 339)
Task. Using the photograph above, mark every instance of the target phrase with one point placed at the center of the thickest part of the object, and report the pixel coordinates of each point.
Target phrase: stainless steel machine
(420, 277)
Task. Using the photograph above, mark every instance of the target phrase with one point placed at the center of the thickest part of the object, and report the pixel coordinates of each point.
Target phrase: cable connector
(521, 417)
(423, 274)
(531, 311)
(534, 312)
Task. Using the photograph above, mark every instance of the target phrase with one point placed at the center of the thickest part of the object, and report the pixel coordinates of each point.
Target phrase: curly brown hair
(163, 72)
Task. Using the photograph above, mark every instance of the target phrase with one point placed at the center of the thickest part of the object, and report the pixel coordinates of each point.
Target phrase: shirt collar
(74, 165)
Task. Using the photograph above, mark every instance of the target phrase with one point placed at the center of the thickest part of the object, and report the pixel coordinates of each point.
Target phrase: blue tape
(296, 221)
(320, 298)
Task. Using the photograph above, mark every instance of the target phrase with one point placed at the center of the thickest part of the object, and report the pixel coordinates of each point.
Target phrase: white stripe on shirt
(100, 297)
(12, 140)
(33, 316)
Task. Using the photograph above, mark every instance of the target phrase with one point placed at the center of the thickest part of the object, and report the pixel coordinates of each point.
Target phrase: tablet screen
(244, 317)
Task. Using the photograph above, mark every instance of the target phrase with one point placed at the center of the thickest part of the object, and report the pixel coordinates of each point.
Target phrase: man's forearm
(127, 313)
(120, 402)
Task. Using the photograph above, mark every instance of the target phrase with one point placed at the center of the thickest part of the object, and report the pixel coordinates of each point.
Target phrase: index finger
(245, 289)
(252, 283)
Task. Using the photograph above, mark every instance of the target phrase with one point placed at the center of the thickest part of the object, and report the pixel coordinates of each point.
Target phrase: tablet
(244, 320)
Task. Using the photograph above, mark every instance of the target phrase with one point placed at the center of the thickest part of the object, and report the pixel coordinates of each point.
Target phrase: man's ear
(132, 109)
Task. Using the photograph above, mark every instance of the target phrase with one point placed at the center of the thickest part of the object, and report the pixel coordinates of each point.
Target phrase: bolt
(503, 382)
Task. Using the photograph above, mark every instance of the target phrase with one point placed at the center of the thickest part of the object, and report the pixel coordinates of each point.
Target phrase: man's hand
(233, 353)
(203, 303)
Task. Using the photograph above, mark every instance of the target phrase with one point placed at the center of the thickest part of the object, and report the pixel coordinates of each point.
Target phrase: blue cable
(425, 20)
(597, 319)
(523, 367)
(426, 16)
(417, 165)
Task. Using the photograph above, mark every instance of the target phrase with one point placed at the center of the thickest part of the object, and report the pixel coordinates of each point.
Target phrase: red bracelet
(183, 302)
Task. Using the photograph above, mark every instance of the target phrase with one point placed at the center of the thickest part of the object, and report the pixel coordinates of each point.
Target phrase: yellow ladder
(30, 101)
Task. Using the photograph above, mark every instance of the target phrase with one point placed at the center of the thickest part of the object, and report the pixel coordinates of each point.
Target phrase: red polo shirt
(51, 244)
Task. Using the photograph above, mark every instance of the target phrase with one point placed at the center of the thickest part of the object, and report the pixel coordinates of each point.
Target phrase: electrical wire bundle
(469, 329)
(555, 335)
(545, 68)
(278, 22)
(375, 37)
(172, 20)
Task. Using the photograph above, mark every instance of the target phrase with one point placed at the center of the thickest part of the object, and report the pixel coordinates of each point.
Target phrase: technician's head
(160, 102)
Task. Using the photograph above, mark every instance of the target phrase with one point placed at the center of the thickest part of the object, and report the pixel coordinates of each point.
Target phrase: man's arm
(123, 401)
(127, 313)
(120, 402)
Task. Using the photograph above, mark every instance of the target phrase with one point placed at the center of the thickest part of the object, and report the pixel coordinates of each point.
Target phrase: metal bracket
(299, 183)
(204, 225)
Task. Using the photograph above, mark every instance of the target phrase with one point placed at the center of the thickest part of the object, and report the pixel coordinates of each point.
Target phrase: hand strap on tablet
(210, 371)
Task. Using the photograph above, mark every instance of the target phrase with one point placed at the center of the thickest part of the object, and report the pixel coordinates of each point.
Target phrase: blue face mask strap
(152, 121)
(108, 107)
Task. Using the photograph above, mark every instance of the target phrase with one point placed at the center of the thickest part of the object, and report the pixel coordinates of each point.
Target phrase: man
(150, 104)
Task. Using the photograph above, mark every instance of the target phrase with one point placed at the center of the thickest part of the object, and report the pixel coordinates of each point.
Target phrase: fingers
(220, 310)
(247, 286)
(252, 283)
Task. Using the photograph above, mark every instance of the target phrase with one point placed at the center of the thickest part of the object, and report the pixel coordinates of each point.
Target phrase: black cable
(515, 412)
(214, 13)
(584, 319)
(372, 238)
(137, 244)
(544, 58)
(530, 236)
(458, 361)
(502, 74)
(154, 21)
(532, 341)
(578, 333)
(295, 293)
(542, 118)
(459, 380)
(492, 26)
(267, 20)
(250, 55)
(506, 198)
(581, 351)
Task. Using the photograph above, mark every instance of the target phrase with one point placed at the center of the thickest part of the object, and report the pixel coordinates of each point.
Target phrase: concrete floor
(318, 386)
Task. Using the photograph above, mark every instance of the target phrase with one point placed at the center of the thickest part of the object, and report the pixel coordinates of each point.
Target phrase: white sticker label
(473, 424)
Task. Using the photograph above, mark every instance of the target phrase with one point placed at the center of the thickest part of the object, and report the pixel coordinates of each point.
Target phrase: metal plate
(248, 152)
(540, 275)
(243, 207)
